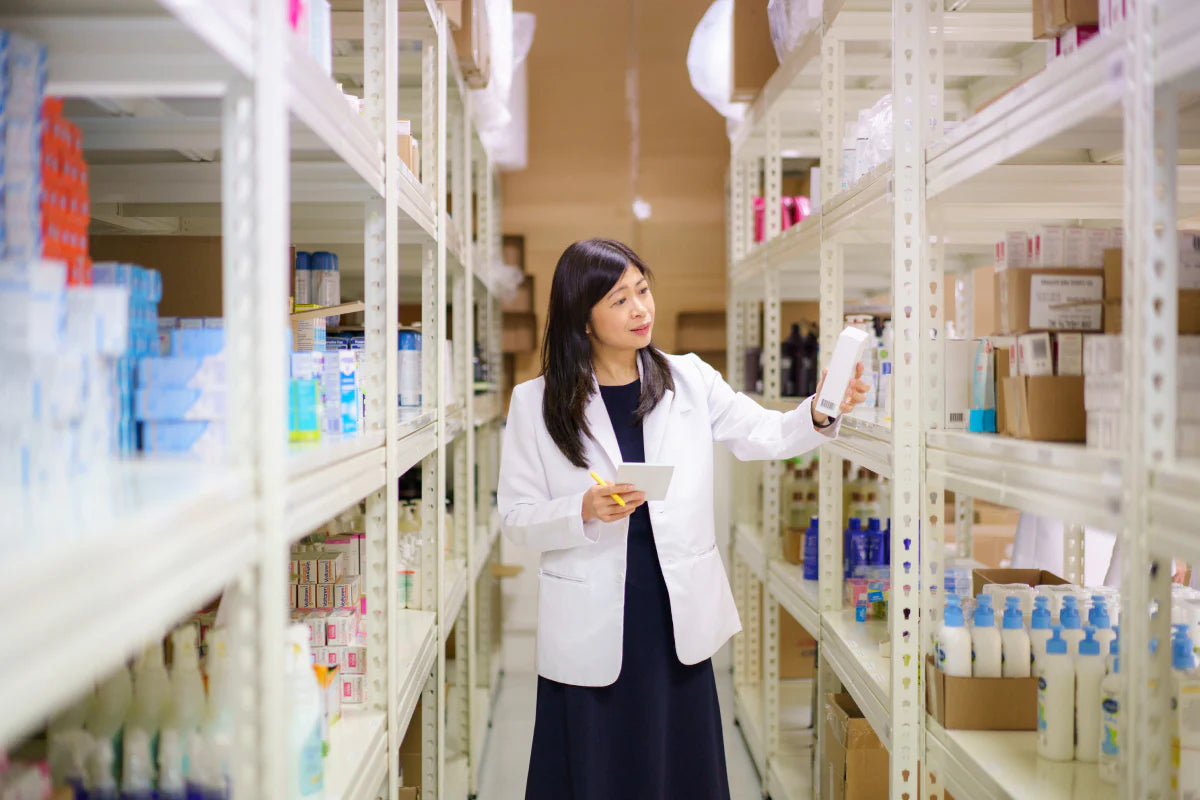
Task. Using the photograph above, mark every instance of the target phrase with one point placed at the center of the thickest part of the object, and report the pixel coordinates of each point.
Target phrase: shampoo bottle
(875, 546)
(1056, 701)
(1016, 657)
(954, 641)
(1071, 624)
(1110, 710)
(1039, 632)
(1089, 674)
(1098, 618)
(985, 641)
(812, 536)
(858, 546)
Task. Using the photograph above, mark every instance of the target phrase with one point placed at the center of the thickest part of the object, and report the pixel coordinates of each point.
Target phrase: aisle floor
(506, 754)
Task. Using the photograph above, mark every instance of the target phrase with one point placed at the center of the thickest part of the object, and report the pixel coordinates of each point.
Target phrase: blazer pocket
(706, 551)
(558, 576)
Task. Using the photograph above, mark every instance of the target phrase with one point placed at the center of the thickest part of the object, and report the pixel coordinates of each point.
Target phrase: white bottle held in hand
(1089, 674)
(954, 641)
(985, 641)
(1039, 632)
(1015, 655)
(1056, 701)
(1110, 711)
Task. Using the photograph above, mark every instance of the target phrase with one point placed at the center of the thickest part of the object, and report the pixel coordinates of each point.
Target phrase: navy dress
(655, 734)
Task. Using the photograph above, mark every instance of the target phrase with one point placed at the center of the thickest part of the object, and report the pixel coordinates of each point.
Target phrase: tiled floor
(506, 755)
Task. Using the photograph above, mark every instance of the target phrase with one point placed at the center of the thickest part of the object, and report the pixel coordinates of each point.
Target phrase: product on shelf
(409, 368)
(306, 748)
(312, 24)
(1110, 711)
(181, 401)
(954, 641)
(1039, 632)
(1056, 701)
(789, 21)
(1051, 18)
(842, 365)
(1016, 656)
(812, 538)
(856, 758)
(985, 641)
(1089, 674)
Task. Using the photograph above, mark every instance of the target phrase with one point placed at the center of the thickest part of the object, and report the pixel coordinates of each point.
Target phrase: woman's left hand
(856, 394)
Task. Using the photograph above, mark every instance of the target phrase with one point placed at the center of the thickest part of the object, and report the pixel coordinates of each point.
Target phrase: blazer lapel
(654, 427)
(601, 429)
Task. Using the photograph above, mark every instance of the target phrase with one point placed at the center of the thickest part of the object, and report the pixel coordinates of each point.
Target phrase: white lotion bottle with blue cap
(1110, 712)
(1089, 674)
(986, 656)
(954, 641)
(1099, 619)
(1016, 655)
(1056, 701)
(1071, 624)
(1039, 632)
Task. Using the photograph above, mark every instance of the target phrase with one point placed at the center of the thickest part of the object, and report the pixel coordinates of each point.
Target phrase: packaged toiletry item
(197, 342)
(340, 626)
(1056, 701)
(1089, 674)
(982, 417)
(876, 549)
(330, 566)
(102, 782)
(1016, 656)
(302, 289)
(812, 538)
(409, 367)
(1039, 632)
(985, 641)
(151, 695)
(187, 707)
(110, 706)
(842, 367)
(326, 286)
(856, 554)
(219, 723)
(306, 767)
(1071, 624)
(137, 765)
(1185, 701)
(172, 404)
(354, 689)
(954, 641)
(1110, 710)
(1098, 619)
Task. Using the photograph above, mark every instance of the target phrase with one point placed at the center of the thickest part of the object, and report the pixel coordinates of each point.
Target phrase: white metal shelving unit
(1071, 140)
(211, 119)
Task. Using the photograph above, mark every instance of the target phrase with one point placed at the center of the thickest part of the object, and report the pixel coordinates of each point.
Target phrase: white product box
(341, 626)
(346, 593)
(293, 571)
(331, 656)
(1013, 251)
(1187, 406)
(355, 662)
(1084, 247)
(306, 567)
(1035, 356)
(330, 566)
(315, 620)
(1047, 246)
(1068, 354)
(1103, 393)
(1104, 429)
(354, 689)
(846, 356)
(1066, 302)
(351, 546)
(1187, 440)
(306, 596)
(291, 595)
(325, 595)
(960, 368)
(1103, 354)
(1189, 259)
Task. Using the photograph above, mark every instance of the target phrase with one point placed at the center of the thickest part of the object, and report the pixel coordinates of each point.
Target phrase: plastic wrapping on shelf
(709, 60)
(790, 20)
(502, 109)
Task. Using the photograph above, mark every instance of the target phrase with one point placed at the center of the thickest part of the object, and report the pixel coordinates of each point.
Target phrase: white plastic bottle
(109, 710)
(1071, 624)
(1056, 701)
(151, 695)
(1039, 632)
(986, 656)
(1089, 674)
(1015, 655)
(306, 774)
(137, 772)
(186, 711)
(1183, 671)
(218, 726)
(171, 783)
(1110, 714)
(954, 641)
(102, 785)
(1098, 618)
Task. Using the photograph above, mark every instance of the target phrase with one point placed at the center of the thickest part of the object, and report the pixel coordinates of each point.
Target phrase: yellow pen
(600, 481)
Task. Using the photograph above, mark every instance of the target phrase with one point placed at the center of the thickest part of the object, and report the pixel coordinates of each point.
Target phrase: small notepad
(653, 479)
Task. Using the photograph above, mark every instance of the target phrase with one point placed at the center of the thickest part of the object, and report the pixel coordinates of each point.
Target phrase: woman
(633, 599)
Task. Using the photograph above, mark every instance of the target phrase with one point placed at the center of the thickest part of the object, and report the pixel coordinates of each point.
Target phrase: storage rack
(269, 153)
(1076, 140)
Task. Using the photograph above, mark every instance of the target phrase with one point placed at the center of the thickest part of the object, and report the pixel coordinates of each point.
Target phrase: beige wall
(578, 183)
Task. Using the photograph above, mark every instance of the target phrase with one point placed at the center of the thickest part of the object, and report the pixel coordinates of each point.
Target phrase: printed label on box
(1055, 302)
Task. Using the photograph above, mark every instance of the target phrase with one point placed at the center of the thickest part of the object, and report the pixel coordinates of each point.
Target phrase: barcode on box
(827, 406)
(1040, 349)
(956, 417)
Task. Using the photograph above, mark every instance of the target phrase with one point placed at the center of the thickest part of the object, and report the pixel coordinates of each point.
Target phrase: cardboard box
(410, 750)
(1188, 298)
(1030, 300)
(980, 704)
(520, 333)
(1051, 18)
(858, 762)
(753, 58)
(454, 12)
(793, 545)
(983, 301)
(472, 41)
(522, 301)
(1045, 409)
(409, 793)
(797, 649)
(1029, 577)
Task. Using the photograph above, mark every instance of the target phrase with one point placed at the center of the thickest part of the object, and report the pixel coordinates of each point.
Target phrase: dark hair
(586, 272)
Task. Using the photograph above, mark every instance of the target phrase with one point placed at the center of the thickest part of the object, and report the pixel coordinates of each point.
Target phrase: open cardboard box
(980, 704)
(1029, 577)
(858, 762)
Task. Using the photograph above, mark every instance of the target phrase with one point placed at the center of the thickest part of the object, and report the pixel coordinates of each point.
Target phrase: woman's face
(624, 319)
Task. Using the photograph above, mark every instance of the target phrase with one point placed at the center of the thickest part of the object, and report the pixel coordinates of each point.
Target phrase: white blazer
(581, 597)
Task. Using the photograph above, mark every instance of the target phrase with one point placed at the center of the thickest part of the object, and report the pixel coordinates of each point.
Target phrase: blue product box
(982, 420)
(26, 76)
(197, 438)
(197, 342)
(179, 404)
(180, 372)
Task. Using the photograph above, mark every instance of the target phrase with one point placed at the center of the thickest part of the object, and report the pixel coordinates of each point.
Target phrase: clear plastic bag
(709, 59)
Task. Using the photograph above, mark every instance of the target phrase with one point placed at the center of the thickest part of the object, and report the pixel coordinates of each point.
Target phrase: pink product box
(354, 689)
(316, 629)
(341, 627)
(1076, 37)
(355, 662)
(1012, 252)
(330, 656)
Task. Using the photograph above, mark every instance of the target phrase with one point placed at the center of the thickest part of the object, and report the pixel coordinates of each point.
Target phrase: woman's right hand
(599, 504)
